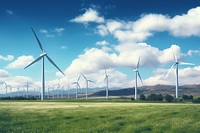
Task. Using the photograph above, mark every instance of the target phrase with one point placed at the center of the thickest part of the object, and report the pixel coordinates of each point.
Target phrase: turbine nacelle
(43, 54)
(136, 70)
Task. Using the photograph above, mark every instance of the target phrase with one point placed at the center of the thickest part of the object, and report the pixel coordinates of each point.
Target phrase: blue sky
(86, 36)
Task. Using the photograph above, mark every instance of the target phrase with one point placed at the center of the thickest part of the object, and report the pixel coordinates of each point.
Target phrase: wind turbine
(137, 74)
(44, 54)
(87, 84)
(175, 64)
(77, 86)
(27, 87)
(68, 91)
(18, 90)
(6, 87)
(106, 79)
(62, 91)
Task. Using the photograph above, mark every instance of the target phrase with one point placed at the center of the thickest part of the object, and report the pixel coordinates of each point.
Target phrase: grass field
(94, 117)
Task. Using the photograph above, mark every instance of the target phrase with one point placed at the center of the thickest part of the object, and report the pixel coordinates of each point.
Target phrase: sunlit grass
(98, 117)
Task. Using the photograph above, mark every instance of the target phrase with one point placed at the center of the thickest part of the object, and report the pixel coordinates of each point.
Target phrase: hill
(157, 89)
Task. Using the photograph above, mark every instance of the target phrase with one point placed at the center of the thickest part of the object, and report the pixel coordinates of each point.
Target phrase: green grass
(98, 117)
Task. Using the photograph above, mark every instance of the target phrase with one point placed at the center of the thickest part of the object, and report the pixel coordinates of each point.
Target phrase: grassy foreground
(88, 117)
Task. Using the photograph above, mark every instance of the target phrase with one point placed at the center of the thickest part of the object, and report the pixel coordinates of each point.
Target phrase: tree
(191, 97)
(154, 97)
(185, 97)
(169, 98)
(142, 97)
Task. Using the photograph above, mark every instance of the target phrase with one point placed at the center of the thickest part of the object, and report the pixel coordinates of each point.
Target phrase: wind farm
(99, 66)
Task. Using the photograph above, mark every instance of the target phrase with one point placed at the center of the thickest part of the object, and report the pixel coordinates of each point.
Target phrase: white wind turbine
(137, 74)
(175, 64)
(87, 84)
(68, 91)
(6, 87)
(106, 79)
(77, 86)
(44, 54)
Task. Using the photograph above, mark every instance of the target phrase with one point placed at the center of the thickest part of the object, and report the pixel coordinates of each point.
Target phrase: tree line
(168, 98)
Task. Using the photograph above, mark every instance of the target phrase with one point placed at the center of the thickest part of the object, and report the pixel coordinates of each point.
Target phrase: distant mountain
(157, 89)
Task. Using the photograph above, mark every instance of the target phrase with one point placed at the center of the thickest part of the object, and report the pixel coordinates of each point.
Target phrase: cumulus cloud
(20, 62)
(3, 73)
(124, 55)
(184, 25)
(90, 15)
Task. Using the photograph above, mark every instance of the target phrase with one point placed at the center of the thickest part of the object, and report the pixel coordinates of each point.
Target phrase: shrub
(142, 97)
(154, 97)
(132, 98)
(191, 97)
(169, 98)
(186, 97)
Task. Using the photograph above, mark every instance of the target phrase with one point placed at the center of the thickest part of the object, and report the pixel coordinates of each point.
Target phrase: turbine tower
(106, 79)
(137, 74)
(87, 84)
(44, 54)
(77, 86)
(175, 64)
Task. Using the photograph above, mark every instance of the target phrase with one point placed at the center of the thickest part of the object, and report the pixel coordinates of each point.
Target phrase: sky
(86, 36)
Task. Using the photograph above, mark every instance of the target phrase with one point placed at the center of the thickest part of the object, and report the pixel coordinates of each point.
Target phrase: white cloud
(184, 25)
(130, 35)
(4, 73)
(102, 30)
(20, 62)
(59, 31)
(192, 52)
(93, 59)
(52, 33)
(90, 15)
(8, 58)
(9, 12)
(102, 43)
(43, 31)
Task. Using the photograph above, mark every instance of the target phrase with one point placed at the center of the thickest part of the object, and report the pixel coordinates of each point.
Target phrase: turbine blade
(78, 85)
(78, 78)
(90, 81)
(185, 63)
(138, 62)
(84, 76)
(38, 41)
(169, 70)
(105, 71)
(175, 59)
(140, 78)
(34, 61)
(105, 78)
(54, 64)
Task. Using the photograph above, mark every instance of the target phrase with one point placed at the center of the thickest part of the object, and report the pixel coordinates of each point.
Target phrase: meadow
(98, 117)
